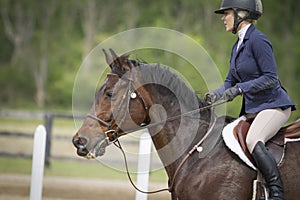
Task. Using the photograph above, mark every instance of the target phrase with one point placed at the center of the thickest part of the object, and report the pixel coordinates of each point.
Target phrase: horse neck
(173, 139)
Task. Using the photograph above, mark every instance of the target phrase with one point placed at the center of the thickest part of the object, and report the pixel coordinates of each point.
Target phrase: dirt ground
(17, 187)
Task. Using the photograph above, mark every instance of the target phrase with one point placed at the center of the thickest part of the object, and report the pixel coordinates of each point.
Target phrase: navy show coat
(253, 70)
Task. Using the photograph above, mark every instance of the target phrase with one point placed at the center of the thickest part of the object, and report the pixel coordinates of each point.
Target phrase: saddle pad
(232, 143)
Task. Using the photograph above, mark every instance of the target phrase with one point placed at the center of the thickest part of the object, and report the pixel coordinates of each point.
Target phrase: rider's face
(228, 20)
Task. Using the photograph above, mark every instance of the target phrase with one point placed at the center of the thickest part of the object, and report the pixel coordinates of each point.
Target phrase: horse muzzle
(83, 149)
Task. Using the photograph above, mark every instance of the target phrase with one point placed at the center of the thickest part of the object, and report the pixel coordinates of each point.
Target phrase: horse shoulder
(217, 176)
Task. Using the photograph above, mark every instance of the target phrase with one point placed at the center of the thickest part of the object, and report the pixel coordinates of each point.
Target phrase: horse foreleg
(174, 196)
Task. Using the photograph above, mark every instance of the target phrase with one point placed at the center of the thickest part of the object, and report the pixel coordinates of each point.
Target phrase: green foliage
(16, 86)
(70, 23)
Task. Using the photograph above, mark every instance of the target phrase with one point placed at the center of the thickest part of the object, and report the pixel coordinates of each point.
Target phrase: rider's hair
(243, 13)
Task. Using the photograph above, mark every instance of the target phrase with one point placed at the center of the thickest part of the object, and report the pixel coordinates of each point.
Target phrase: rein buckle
(111, 136)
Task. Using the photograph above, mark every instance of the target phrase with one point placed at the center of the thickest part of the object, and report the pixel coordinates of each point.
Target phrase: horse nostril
(80, 142)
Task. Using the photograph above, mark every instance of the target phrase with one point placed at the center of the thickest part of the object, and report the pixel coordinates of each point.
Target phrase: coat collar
(249, 31)
(246, 37)
(241, 33)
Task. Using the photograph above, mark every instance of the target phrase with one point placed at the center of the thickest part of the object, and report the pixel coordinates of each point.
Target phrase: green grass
(23, 126)
(72, 169)
(60, 126)
(15, 165)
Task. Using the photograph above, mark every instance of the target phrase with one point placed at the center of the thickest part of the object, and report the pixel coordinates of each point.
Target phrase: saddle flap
(275, 145)
(240, 132)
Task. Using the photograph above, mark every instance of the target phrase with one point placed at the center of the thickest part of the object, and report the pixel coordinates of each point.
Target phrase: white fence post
(144, 165)
(38, 160)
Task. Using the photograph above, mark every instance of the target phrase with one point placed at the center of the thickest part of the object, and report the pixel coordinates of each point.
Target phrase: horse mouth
(98, 150)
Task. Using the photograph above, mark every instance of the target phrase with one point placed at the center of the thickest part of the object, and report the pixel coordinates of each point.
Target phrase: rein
(156, 123)
(117, 143)
(170, 188)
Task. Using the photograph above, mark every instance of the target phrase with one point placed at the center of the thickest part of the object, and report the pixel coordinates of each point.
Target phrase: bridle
(131, 93)
(112, 135)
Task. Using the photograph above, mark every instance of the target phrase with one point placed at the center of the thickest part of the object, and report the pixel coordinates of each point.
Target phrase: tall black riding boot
(267, 166)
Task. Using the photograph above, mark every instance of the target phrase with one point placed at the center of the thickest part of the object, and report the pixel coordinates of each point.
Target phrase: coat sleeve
(263, 54)
(230, 81)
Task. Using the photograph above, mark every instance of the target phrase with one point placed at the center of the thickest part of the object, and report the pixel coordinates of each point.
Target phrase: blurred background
(43, 44)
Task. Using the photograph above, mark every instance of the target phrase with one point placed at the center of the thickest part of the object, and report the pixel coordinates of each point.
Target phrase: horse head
(119, 106)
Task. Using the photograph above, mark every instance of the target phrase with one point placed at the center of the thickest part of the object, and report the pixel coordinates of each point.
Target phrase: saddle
(275, 145)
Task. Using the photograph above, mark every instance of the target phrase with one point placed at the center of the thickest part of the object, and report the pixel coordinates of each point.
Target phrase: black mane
(164, 76)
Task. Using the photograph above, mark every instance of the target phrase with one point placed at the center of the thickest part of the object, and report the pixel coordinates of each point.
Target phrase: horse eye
(109, 94)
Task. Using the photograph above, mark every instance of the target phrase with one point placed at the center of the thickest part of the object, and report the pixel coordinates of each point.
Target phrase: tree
(28, 33)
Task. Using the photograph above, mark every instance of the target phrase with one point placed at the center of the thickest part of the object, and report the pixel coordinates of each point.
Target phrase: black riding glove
(231, 93)
(210, 97)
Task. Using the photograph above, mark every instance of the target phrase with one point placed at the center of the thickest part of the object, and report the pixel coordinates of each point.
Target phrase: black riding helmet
(254, 7)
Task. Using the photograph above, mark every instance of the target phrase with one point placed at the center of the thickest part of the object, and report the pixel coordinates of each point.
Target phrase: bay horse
(138, 95)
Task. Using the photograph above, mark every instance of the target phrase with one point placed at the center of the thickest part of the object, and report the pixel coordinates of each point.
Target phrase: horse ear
(125, 56)
(121, 61)
(118, 60)
(114, 55)
(118, 65)
(108, 58)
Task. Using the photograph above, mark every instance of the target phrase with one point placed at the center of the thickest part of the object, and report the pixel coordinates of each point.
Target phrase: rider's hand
(210, 97)
(231, 93)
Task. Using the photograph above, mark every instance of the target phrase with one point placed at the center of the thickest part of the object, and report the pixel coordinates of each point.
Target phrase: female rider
(253, 75)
